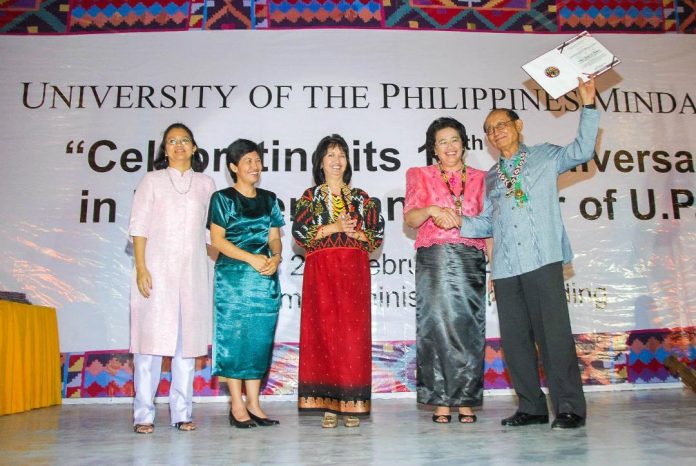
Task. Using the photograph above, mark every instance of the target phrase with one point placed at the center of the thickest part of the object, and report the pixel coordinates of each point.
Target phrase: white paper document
(557, 71)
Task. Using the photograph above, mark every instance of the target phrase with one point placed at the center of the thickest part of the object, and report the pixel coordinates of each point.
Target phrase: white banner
(83, 116)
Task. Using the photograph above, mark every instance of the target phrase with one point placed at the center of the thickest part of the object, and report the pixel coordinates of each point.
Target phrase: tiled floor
(651, 427)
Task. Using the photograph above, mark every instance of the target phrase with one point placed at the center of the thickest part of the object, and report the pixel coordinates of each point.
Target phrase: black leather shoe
(568, 421)
(263, 421)
(523, 419)
(240, 424)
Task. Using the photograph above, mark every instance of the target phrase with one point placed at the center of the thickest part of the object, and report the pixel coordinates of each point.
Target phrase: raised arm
(582, 148)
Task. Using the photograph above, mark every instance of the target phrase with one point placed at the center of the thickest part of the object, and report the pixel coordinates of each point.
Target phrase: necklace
(457, 199)
(333, 202)
(337, 204)
(174, 186)
(512, 183)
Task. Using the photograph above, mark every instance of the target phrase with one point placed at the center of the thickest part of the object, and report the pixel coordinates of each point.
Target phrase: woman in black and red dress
(338, 226)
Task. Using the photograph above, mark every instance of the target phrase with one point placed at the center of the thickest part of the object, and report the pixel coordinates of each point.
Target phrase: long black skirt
(450, 324)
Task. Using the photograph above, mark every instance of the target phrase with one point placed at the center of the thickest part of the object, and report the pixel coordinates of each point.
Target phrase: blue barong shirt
(528, 237)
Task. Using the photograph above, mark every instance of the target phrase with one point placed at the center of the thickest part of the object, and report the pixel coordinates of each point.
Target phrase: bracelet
(277, 254)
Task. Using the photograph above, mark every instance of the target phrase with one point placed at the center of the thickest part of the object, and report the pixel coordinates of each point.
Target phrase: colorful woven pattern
(611, 15)
(669, 11)
(259, 13)
(495, 375)
(110, 374)
(685, 15)
(602, 358)
(282, 378)
(605, 359)
(474, 15)
(227, 14)
(647, 350)
(71, 368)
(131, 15)
(526, 16)
(301, 13)
(394, 367)
(107, 374)
(34, 16)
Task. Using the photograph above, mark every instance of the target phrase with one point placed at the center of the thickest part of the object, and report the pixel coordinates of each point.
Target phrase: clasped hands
(445, 217)
(265, 265)
(347, 224)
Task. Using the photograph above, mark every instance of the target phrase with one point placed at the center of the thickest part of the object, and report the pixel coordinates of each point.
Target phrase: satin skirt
(335, 371)
(246, 314)
(450, 325)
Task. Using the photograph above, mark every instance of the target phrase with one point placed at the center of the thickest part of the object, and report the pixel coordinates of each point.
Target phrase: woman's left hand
(346, 224)
(271, 266)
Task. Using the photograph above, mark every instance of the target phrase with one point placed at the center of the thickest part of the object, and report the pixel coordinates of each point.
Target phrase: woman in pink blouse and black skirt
(450, 275)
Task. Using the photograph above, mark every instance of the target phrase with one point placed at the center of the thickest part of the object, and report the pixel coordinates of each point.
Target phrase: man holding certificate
(523, 215)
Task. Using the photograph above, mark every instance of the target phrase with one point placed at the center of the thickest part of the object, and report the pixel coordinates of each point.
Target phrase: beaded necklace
(512, 183)
(174, 186)
(337, 203)
(457, 199)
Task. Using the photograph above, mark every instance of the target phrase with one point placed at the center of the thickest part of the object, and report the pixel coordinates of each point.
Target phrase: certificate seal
(552, 72)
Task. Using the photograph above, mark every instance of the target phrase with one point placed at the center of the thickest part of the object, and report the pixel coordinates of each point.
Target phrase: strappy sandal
(144, 428)
(351, 421)
(330, 421)
(442, 418)
(185, 426)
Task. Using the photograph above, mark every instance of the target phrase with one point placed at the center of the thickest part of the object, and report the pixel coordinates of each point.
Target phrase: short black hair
(332, 140)
(511, 114)
(437, 125)
(161, 161)
(236, 151)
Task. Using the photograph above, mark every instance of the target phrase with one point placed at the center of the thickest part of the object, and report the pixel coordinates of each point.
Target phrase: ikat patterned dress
(335, 331)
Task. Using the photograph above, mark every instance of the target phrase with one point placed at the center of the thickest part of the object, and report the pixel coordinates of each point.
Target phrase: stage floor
(648, 427)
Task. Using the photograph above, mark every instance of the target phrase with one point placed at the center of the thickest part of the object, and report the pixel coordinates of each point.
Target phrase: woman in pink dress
(450, 275)
(170, 299)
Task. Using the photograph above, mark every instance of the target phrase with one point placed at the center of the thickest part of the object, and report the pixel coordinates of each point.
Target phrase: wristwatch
(590, 106)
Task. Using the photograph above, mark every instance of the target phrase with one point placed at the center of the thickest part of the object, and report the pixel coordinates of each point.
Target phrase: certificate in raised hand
(557, 71)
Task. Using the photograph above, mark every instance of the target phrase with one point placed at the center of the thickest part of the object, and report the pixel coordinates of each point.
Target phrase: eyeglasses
(182, 141)
(498, 127)
(442, 143)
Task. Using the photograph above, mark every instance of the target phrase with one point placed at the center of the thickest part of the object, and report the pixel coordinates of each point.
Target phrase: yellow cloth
(29, 358)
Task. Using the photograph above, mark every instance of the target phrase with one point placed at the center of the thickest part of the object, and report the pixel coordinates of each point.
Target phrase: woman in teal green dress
(244, 224)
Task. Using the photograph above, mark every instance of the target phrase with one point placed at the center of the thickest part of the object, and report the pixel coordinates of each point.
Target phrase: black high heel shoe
(240, 424)
(263, 421)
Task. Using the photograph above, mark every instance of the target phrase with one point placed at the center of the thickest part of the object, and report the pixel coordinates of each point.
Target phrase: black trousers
(532, 308)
